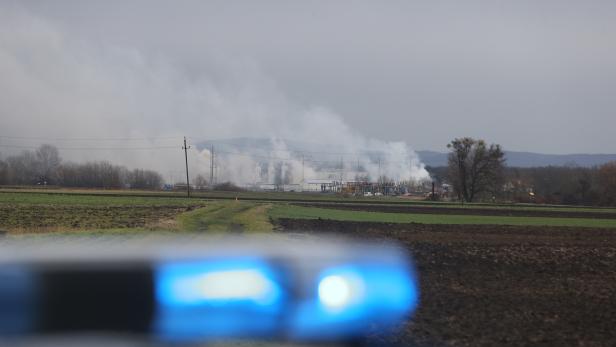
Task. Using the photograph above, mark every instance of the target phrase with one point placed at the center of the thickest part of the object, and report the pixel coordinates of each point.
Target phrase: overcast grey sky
(531, 75)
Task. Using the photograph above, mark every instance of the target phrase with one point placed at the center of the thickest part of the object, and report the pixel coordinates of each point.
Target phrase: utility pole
(185, 148)
(433, 196)
(212, 165)
(302, 171)
(282, 175)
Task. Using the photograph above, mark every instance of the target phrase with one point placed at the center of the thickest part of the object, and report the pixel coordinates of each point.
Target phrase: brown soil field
(501, 285)
(47, 218)
(461, 211)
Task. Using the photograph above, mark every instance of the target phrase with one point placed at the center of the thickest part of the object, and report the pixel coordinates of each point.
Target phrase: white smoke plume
(97, 102)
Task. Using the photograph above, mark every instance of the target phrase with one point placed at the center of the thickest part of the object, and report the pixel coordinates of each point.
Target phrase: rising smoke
(97, 102)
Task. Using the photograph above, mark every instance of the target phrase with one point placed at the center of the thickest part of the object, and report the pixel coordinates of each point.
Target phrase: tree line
(477, 172)
(563, 185)
(44, 166)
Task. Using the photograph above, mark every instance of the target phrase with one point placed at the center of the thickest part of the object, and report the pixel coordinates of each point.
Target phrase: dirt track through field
(501, 285)
(461, 211)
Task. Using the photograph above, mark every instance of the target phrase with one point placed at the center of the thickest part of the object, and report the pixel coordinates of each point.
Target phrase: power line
(358, 152)
(185, 148)
(193, 138)
(92, 148)
(153, 138)
(291, 154)
(379, 162)
(250, 155)
(212, 165)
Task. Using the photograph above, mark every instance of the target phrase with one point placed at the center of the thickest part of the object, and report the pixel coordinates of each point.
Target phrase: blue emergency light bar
(306, 291)
(218, 298)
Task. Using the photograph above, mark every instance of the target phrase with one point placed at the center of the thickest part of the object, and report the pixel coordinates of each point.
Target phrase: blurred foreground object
(311, 290)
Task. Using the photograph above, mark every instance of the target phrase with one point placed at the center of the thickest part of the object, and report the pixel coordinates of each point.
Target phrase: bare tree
(475, 167)
(200, 182)
(144, 179)
(607, 180)
(92, 175)
(23, 168)
(48, 162)
(4, 172)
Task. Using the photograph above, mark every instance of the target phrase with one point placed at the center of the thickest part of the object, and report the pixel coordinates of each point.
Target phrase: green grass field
(234, 216)
(137, 196)
(69, 199)
(300, 212)
(66, 211)
(41, 213)
(62, 213)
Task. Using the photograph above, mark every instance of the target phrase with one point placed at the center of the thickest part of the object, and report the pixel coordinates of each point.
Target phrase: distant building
(320, 185)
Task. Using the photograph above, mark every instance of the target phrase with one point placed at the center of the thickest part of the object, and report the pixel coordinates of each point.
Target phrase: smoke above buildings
(96, 102)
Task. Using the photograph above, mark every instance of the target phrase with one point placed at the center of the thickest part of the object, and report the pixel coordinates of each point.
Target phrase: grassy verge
(91, 196)
(235, 216)
(300, 212)
(21, 198)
